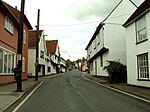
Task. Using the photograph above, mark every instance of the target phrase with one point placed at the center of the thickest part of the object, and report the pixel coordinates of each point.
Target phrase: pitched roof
(51, 46)
(32, 38)
(8, 13)
(16, 14)
(101, 24)
(141, 9)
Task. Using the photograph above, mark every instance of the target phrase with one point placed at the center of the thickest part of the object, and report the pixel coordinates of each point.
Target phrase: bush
(117, 72)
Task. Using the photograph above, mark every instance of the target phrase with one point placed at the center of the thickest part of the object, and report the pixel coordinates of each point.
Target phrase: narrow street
(72, 93)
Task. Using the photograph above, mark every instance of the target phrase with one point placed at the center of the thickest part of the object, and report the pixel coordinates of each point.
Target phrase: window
(42, 54)
(9, 63)
(23, 64)
(9, 25)
(142, 61)
(91, 48)
(94, 44)
(141, 29)
(98, 39)
(1, 61)
(101, 35)
(101, 61)
(7, 60)
(49, 69)
(24, 36)
(88, 52)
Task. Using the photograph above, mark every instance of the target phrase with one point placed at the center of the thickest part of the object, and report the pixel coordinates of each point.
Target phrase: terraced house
(43, 60)
(54, 52)
(9, 25)
(138, 46)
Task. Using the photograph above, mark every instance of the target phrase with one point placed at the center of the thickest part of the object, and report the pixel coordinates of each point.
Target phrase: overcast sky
(72, 22)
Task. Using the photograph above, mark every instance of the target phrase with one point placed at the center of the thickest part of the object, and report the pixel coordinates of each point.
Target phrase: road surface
(72, 93)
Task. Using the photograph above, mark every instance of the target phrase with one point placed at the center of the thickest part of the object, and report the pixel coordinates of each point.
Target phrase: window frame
(42, 54)
(10, 62)
(1, 61)
(24, 36)
(9, 25)
(138, 30)
(141, 69)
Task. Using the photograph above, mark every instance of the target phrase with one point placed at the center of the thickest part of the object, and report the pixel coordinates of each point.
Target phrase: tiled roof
(142, 8)
(51, 46)
(32, 38)
(16, 13)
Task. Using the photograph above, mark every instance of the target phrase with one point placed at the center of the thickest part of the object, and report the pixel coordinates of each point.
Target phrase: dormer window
(9, 26)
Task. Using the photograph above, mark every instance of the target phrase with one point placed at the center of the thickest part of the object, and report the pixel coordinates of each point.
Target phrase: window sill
(141, 41)
(9, 32)
(143, 79)
(6, 74)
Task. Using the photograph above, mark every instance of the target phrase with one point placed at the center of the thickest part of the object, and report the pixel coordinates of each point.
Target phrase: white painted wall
(133, 50)
(31, 61)
(116, 42)
(42, 48)
(112, 36)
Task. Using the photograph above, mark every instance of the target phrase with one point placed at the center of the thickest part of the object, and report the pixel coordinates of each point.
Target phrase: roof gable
(8, 13)
(111, 18)
(141, 9)
(32, 38)
(51, 46)
(16, 14)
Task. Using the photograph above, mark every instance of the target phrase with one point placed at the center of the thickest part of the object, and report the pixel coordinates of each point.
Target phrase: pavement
(8, 96)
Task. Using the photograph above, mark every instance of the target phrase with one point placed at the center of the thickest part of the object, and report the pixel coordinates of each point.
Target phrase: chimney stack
(16, 7)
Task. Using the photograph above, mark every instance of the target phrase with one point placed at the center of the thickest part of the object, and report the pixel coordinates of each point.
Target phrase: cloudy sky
(72, 22)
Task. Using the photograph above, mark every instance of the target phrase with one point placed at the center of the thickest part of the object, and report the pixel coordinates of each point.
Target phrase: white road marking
(27, 98)
(148, 101)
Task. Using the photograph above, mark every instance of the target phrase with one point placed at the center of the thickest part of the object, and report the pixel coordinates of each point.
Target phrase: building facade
(9, 26)
(108, 41)
(138, 46)
(54, 53)
(43, 59)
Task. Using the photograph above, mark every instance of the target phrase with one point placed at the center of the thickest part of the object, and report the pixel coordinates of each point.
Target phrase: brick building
(9, 25)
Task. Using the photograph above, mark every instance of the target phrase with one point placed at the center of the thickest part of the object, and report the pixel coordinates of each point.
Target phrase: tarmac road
(72, 93)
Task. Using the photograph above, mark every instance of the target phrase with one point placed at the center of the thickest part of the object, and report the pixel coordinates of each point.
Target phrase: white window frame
(141, 29)
(24, 36)
(1, 61)
(42, 54)
(23, 64)
(9, 64)
(9, 26)
(142, 65)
